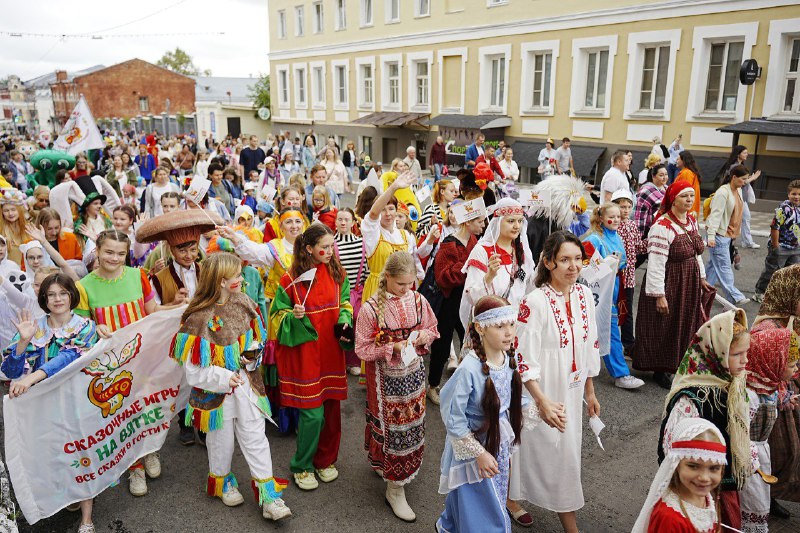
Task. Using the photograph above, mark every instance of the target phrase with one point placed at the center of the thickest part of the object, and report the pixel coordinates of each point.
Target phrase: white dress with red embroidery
(546, 469)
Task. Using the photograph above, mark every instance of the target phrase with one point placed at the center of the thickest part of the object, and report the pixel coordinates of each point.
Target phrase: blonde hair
(297, 180)
(321, 190)
(216, 267)
(396, 161)
(675, 481)
(598, 215)
(397, 264)
(739, 331)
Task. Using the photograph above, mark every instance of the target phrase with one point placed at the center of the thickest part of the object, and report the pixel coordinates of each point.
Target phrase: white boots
(396, 499)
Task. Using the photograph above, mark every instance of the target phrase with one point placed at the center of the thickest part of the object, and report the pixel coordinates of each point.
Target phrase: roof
(475, 122)
(215, 89)
(391, 118)
(136, 60)
(526, 154)
(46, 79)
(777, 128)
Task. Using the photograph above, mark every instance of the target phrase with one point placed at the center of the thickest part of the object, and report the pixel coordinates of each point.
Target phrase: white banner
(71, 436)
(80, 133)
(599, 277)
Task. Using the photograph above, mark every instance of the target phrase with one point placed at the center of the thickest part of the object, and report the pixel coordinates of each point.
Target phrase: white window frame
(283, 86)
(361, 85)
(702, 39)
(388, 5)
(300, 85)
(316, 88)
(781, 34)
(341, 105)
(528, 51)
(418, 13)
(637, 43)
(486, 55)
(412, 59)
(281, 23)
(341, 15)
(362, 16)
(317, 17)
(385, 61)
(299, 21)
(450, 52)
(580, 56)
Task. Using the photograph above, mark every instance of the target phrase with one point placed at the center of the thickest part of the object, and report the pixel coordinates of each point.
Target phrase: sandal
(521, 517)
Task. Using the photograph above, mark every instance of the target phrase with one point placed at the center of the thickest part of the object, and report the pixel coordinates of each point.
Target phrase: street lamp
(166, 121)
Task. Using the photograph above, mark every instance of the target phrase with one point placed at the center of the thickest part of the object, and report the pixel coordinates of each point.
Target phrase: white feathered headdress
(566, 194)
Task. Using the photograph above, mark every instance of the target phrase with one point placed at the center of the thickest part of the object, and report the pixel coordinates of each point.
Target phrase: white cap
(250, 186)
(622, 193)
(242, 211)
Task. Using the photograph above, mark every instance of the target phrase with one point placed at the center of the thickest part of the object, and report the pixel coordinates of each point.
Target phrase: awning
(392, 118)
(776, 128)
(526, 154)
(474, 122)
(292, 120)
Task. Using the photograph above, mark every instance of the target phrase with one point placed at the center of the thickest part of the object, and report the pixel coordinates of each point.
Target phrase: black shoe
(663, 380)
(202, 437)
(776, 509)
(186, 437)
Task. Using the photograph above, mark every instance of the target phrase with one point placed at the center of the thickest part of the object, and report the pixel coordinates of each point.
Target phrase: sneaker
(742, 302)
(628, 382)
(758, 297)
(276, 510)
(86, 528)
(753, 246)
(433, 395)
(355, 370)
(232, 497)
(186, 438)
(328, 474)
(306, 480)
(137, 482)
(152, 465)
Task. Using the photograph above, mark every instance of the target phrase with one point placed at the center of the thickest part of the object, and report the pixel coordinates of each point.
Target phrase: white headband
(497, 316)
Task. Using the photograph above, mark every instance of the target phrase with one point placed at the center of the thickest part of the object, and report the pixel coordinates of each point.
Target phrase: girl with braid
(395, 432)
(482, 412)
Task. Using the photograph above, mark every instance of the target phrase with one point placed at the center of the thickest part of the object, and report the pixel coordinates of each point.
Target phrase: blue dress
(50, 350)
(474, 504)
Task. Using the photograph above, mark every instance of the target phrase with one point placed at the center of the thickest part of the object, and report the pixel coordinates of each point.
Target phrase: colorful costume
(115, 302)
(214, 344)
(395, 433)
(311, 363)
(405, 195)
(46, 163)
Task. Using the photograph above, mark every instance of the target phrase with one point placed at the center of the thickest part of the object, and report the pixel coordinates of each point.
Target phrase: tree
(260, 92)
(181, 62)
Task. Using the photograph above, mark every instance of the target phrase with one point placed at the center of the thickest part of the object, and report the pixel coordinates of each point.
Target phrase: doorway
(389, 151)
(422, 153)
(234, 126)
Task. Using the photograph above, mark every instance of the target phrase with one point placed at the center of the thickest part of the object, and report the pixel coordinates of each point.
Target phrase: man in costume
(46, 163)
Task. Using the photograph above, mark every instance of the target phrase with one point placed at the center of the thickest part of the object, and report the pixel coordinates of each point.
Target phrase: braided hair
(491, 401)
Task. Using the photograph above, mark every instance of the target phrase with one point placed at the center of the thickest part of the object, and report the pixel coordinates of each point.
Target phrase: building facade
(610, 75)
(225, 107)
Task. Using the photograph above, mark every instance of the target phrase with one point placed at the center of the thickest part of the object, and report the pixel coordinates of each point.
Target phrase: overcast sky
(242, 51)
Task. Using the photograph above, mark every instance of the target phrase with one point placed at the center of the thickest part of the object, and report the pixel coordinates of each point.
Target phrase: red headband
(699, 445)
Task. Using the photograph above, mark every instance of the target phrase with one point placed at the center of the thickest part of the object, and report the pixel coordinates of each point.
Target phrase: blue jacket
(472, 155)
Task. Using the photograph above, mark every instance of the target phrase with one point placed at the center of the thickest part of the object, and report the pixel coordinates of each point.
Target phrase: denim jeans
(437, 169)
(718, 268)
(747, 237)
(672, 172)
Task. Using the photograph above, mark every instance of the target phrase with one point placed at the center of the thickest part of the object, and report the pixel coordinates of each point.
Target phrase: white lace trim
(702, 519)
(717, 458)
(530, 416)
(467, 447)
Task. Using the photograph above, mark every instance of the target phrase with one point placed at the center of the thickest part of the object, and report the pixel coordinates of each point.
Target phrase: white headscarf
(25, 248)
(686, 430)
(498, 211)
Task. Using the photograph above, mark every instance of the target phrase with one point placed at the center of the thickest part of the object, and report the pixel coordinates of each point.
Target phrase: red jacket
(438, 155)
(450, 259)
(494, 164)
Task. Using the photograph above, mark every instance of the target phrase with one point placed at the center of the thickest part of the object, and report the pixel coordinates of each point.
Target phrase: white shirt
(510, 170)
(613, 180)
(189, 278)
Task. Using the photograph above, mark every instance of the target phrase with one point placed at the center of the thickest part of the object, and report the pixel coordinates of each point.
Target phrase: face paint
(609, 221)
(321, 253)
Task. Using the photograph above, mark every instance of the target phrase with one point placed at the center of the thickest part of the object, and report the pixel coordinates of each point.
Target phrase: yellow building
(392, 73)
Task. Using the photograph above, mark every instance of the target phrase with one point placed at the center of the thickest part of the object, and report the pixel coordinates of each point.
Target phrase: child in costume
(395, 431)
(481, 407)
(313, 319)
(92, 218)
(324, 210)
(405, 193)
(218, 344)
(710, 384)
(685, 494)
(12, 222)
(289, 198)
(771, 362)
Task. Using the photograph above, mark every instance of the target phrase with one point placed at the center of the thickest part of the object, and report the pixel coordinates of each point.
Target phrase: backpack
(707, 206)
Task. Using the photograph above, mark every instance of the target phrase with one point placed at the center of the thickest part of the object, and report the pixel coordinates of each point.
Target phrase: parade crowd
(447, 290)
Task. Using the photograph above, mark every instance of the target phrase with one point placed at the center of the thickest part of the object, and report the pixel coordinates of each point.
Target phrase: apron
(378, 260)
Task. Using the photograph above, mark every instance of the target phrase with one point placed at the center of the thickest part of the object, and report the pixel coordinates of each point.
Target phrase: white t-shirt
(613, 180)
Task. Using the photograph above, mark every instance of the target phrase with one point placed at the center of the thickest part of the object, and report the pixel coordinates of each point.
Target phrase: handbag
(357, 292)
(430, 290)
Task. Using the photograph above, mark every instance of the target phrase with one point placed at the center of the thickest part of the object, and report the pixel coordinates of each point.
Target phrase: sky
(240, 52)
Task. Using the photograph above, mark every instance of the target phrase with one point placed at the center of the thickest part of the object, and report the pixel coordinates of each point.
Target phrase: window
(340, 88)
(394, 83)
(366, 13)
(597, 65)
(366, 145)
(654, 78)
(422, 8)
(542, 65)
(366, 82)
(299, 22)
(419, 81)
(318, 84)
(281, 24)
(451, 78)
(392, 11)
(791, 92)
(144, 104)
(341, 15)
(498, 86)
(723, 76)
(283, 87)
(319, 21)
(422, 83)
(300, 87)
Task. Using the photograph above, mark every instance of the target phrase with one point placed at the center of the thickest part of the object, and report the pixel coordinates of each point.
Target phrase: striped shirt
(430, 216)
(349, 250)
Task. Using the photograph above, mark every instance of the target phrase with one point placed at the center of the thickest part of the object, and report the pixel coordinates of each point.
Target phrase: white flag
(80, 133)
(466, 211)
(308, 275)
(600, 278)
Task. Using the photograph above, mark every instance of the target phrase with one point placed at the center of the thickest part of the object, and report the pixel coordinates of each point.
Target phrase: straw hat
(178, 227)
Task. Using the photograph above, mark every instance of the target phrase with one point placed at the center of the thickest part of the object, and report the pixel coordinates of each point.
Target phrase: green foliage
(181, 62)
(126, 123)
(260, 92)
(180, 118)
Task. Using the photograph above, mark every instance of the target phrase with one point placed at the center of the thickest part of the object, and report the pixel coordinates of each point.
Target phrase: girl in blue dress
(482, 410)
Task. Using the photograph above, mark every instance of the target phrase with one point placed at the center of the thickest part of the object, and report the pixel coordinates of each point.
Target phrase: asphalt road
(615, 480)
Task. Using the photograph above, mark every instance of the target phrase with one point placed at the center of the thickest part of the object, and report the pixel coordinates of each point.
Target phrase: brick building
(125, 90)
